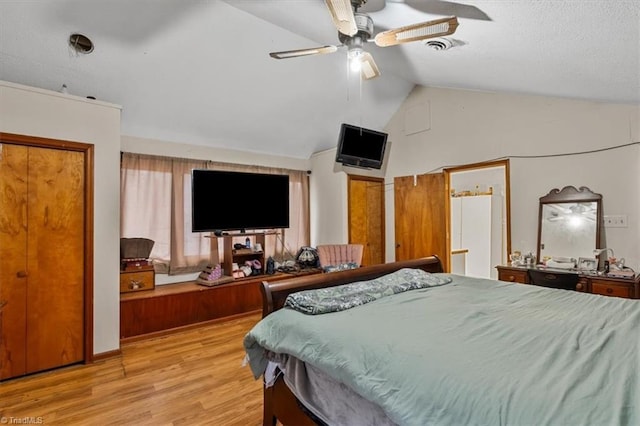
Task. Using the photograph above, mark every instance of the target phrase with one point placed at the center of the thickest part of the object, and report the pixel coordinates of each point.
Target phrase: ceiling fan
(355, 29)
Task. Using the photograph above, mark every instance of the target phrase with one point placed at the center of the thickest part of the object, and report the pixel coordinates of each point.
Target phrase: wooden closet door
(55, 248)
(13, 260)
(421, 217)
(366, 217)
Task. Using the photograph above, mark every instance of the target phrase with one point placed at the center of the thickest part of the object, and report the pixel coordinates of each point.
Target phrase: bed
(456, 350)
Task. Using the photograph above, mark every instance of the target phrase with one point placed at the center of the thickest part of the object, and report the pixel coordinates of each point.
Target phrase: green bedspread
(474, 352)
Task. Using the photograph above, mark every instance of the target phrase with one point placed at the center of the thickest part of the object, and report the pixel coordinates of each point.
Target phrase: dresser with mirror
(570, 250)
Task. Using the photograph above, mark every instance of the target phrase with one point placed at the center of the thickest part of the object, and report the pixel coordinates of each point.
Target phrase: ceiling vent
(439, 43)
(80, 43)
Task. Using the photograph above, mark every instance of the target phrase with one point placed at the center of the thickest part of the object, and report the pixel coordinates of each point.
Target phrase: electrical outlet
(615, 221)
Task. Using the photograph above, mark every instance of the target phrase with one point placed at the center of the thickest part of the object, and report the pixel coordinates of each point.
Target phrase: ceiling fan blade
(368, 68)
(342, 15)
(303, 52)
(415, 32)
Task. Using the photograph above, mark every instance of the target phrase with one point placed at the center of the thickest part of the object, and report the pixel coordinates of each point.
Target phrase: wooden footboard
(279, 402)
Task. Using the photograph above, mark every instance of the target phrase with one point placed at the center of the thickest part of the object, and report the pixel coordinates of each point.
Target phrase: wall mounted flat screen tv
(361, 147)
(231, 201)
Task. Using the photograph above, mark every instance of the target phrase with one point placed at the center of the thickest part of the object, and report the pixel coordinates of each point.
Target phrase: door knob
(21, 274)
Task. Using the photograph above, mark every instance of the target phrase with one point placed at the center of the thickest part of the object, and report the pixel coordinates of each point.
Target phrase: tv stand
(232, 255)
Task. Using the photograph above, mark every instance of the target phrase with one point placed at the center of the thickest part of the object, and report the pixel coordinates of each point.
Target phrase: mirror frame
(569, 194)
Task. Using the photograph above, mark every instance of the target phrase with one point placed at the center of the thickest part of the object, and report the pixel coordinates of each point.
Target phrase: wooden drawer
(583, 285)
(137, 281)
(607, 288)
(513, 275)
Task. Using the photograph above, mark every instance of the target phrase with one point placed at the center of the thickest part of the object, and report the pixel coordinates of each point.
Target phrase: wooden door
(13, 261)
(44, 226)
(420, 217)
(55, 248)
(366, 217)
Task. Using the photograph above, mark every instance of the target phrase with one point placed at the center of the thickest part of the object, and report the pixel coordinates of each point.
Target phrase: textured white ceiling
(198, 71)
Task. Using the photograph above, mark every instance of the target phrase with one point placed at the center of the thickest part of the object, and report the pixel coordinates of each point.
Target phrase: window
(155, 198)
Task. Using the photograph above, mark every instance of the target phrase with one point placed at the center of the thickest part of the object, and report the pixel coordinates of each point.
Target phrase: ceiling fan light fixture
(354, 52)
(355, 59)
(368, 68)
(355, 29)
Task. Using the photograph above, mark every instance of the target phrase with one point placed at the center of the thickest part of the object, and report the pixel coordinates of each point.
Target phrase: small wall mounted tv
(361, 147)
(236, 201)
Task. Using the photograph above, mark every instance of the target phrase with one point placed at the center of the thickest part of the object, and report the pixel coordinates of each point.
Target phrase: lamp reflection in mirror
(568, 230)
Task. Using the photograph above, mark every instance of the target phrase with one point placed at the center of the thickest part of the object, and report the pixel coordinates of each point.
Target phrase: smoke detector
(439, 43)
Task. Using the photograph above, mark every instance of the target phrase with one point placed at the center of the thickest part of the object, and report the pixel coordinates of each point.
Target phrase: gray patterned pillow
(340, 298)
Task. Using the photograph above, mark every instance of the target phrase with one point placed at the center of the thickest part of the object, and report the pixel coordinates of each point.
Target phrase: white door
(476, 234)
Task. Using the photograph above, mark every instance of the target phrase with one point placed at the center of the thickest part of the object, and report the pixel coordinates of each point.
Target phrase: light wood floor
(193, 377)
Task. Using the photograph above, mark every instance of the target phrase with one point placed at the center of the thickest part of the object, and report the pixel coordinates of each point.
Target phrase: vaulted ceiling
(198, 71)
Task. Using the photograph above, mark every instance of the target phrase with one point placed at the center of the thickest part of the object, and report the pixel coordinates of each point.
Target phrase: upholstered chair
(340, 256)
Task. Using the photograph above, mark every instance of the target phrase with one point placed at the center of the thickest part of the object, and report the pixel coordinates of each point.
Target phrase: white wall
(468, 127)
(328, 200)
(34, 112)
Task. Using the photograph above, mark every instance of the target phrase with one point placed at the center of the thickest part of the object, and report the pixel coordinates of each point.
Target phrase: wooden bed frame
(279, 402)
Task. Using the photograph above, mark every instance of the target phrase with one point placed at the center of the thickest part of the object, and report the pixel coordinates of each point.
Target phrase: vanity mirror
(569, 223)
